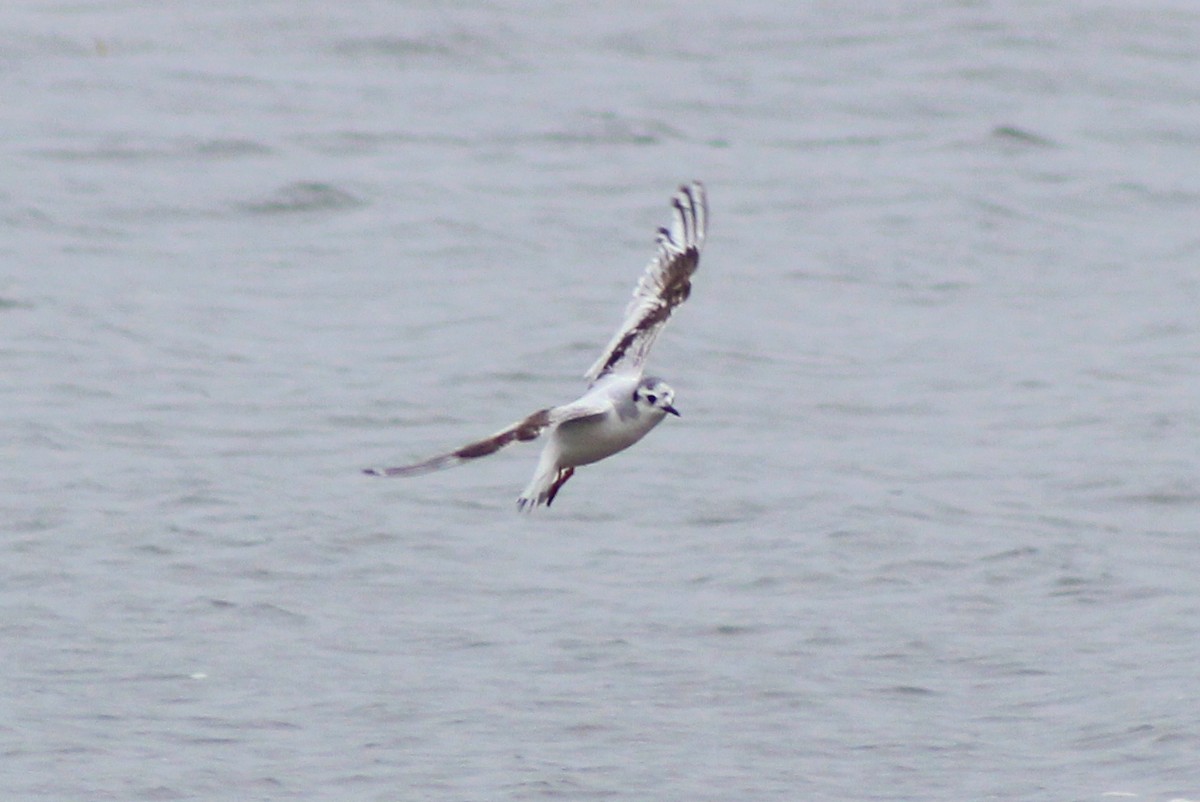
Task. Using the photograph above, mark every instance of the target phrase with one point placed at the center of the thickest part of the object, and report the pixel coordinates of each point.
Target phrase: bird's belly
(585, 441)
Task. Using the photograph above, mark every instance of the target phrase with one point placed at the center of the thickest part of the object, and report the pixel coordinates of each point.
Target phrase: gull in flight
(621, 404)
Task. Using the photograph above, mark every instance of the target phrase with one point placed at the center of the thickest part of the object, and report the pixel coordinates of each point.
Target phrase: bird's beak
(672, 410)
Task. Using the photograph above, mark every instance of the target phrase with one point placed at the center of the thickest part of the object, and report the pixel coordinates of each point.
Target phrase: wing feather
(666, 284)
(528, 428)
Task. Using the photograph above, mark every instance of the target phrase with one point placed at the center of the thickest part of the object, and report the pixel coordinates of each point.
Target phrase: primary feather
(666, 284)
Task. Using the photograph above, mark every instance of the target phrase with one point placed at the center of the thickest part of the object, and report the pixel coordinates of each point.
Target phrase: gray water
(926, 530)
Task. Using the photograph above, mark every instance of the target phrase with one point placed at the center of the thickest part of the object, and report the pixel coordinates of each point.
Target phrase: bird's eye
(652, 399)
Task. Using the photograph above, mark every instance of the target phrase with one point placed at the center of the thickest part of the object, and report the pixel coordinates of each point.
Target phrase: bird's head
(655, 393)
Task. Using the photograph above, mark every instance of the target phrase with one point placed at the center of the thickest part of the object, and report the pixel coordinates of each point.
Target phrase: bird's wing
(664, 286)
(528, 428)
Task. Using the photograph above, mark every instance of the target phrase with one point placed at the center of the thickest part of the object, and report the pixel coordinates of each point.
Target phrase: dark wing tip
(394, 472)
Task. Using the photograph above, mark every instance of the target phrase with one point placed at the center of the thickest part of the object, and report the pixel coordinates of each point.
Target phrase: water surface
(925, 531)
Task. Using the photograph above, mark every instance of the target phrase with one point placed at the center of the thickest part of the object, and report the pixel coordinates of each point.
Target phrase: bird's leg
(559, 481)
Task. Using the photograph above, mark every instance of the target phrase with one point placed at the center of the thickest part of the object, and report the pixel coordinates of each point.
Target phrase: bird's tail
(546, 482)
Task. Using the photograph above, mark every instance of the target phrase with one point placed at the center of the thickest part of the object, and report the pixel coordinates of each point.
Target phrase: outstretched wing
(664, 286)
(529, 428)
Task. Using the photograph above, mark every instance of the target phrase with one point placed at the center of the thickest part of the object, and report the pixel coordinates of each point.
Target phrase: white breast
(592, 439)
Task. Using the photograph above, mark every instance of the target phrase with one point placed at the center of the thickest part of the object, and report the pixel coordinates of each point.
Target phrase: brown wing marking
(666, 283)
(528, 429)
(675, 292)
